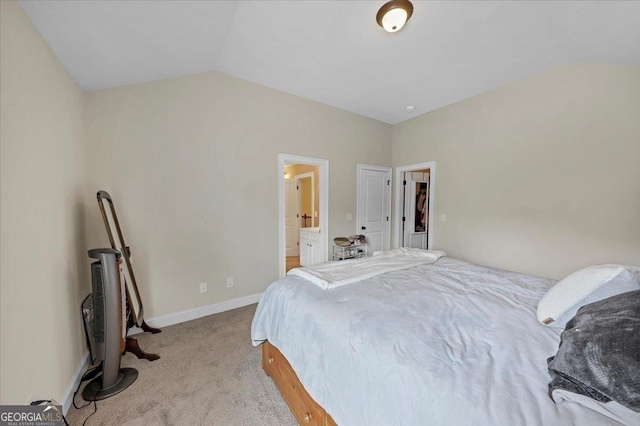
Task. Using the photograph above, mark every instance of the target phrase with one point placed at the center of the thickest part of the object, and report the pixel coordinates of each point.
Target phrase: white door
(291, 223)
(374, 200)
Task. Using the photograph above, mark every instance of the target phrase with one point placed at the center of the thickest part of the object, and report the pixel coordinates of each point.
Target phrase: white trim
(311, 175)
(361, 167)
(397, 216)
(324, 203)
(202, 311)
(67, 396)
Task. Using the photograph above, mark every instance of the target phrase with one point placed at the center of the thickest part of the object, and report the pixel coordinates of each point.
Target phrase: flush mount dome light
(393, 15)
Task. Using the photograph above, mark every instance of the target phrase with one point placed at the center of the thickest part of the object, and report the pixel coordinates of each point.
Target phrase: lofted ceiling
(334, 52)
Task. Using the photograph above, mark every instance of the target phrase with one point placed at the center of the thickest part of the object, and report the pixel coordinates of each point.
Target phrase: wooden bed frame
(304, 408)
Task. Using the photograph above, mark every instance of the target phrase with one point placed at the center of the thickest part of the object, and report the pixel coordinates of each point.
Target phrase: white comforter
(330, 275)
(443, 344)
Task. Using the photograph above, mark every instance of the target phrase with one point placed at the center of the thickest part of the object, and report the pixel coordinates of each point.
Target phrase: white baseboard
(67, 396)
(203, 311)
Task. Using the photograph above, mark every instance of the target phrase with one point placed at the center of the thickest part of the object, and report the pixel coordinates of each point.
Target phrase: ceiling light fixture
(393, 15)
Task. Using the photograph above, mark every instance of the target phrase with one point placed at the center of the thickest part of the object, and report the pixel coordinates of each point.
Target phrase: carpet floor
(208, 374)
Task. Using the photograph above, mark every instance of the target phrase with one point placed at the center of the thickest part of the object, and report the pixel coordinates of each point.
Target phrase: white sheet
(443, 344)
(611, 409)
(336, 274)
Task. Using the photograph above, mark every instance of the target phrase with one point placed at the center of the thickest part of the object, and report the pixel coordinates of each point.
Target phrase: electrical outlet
(229, 282)
(349, 217)
(203, 287)
(443, 218)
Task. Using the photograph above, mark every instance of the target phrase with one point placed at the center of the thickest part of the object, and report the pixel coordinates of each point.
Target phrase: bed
(442, 343)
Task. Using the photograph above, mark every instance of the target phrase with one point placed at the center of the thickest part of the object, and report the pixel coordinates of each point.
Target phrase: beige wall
(192, 165)
(541, 176)
(44, 267)
(294, 170)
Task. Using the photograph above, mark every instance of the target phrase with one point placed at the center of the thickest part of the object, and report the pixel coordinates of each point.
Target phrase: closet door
(374, 201)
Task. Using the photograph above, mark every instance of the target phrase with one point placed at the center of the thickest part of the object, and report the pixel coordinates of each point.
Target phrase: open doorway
(308, 197)
(303, 211)
(414, 202)
(300, 200)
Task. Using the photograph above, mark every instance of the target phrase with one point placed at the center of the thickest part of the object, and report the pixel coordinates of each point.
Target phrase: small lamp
(393, 15)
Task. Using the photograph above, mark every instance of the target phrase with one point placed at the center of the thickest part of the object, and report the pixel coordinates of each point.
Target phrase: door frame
(283, 160)
(313, 195)
(387, 169)
(397, 204)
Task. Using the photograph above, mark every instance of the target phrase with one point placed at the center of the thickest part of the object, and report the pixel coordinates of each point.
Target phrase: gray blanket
(599, 354)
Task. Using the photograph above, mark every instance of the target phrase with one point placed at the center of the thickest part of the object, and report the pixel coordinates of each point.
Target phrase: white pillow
(585, 286)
